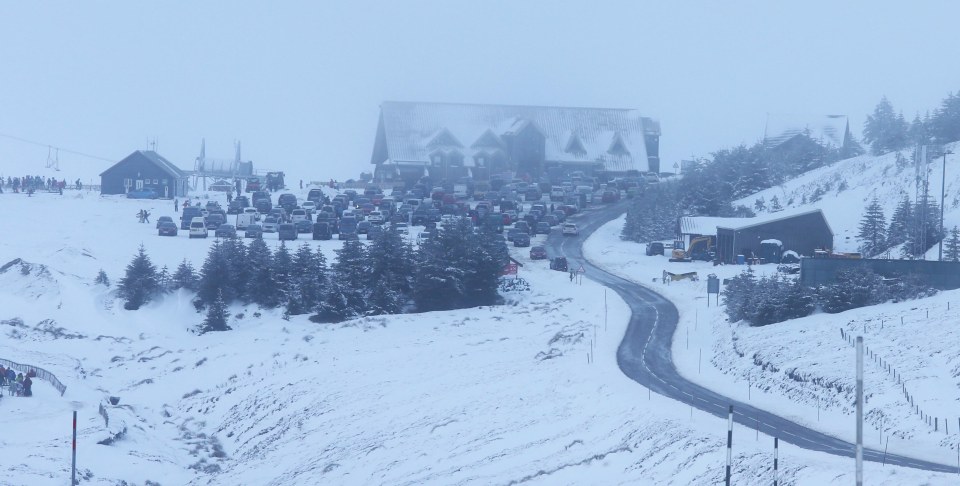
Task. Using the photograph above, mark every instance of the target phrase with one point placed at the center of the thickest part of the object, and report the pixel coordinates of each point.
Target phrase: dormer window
(617, 147)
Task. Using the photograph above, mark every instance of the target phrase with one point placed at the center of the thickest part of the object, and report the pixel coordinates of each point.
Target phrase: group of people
(143, 216)
(20, 385)
(33, 183)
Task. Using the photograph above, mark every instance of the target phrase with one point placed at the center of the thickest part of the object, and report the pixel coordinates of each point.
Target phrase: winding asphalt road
(645, 355)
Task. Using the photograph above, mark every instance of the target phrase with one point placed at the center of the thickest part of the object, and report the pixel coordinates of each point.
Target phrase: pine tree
(184, 277)
(900, 222)
(217, 316)
(214, 277)
(486, 258)
(102, 279)
(439, 281)
(261, 287)
(944, 125)
(391, 273)
(760, 204)
(352, 275)
(307, 277)
(282, 275)
(873, 229)
(140, 283)
(775, 204)
(951, 250)
(235, 254)
(163, 279)
(885, 130)
(334, 306)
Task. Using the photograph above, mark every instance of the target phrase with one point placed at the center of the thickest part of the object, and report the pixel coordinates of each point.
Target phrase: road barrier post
(776, 453)
(859, 451)
(729, 443)
(73, 461)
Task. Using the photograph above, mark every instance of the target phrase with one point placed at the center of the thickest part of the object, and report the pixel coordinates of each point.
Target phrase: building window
(480, 161)
(128, 183)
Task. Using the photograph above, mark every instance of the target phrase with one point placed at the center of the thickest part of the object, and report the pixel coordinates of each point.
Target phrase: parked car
(287, 232)
(654, 248)
(521, 239)
(226, 231)
(310, 207)
(374, 232)
(401, 228)
(253, 231)
(538, 253)
(143, 194)
(287, 201)
(298, 214)
(167, 228)
(214, 220)
(542, 228)
(363, 227)
(375, 217)
(198, 227)
(186, 217)
(523, 226)
(270, 225)
(570, 229)
(163, 219)
(315, 195)
(304, 226)
(559, 264)
(321, 231)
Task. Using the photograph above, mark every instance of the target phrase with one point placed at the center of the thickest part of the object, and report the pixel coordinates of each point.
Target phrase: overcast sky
(299, 83)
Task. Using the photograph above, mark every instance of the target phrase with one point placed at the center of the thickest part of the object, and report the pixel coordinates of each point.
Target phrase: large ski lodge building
(448, 141)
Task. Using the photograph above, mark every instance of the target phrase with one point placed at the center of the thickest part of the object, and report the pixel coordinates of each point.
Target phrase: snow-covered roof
(611, 136)
(828, 130)
(707, 225)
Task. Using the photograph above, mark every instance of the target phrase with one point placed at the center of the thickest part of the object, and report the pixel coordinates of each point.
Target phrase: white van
(198, 227)
(298, 214)
(246, 219)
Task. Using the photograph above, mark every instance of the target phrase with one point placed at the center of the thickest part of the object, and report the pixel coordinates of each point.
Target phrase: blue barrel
(741, 259)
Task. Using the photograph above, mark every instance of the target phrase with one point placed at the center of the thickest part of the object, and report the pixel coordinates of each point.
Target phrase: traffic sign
(581, 269)
(509, 269)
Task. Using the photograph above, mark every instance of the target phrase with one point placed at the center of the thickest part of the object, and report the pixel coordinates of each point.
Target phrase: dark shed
(144, 169)
(801, 232)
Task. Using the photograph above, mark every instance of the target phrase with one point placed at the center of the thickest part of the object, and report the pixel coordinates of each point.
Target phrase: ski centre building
(144, 169)
(452, 141)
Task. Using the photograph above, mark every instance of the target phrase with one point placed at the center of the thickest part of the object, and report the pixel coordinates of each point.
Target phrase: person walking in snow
(27, 386)
(146, 216)
(176, 205)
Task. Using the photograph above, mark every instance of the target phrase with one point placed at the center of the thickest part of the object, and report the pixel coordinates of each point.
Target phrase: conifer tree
(951, 249)
(217, 316)
(775, 204)
(282, 270)
(438, 283)
(261, 287)
(351, 273)
(140, 283)
(391, 272)
(102, 279)
(163, 279)
(306, 278)
(184, 277)
(235, 254)
(900, 222)
(873, 228)
(214, 277)
(486, 258)
(885, 130)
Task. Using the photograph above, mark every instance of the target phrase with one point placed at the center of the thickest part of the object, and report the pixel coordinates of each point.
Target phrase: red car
(538, 253)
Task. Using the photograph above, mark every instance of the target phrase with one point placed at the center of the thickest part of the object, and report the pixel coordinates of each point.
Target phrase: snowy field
(803, 369)
(495, 395)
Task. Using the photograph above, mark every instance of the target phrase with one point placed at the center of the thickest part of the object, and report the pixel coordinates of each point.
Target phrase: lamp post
(943, 185)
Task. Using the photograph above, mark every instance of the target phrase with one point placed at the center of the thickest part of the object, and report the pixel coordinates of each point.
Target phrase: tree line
(914, 224)
(886, 130)
(460, 267)
(777, 298)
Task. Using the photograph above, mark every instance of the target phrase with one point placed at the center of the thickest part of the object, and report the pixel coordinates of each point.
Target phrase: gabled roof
(155, 159)
(409, 126)
(708, 225)
(827, 130)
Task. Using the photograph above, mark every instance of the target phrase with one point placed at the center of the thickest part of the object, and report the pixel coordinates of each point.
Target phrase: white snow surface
(802, 369)
(493, 395)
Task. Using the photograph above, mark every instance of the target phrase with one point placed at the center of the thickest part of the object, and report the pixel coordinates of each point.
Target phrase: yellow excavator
(700, 248)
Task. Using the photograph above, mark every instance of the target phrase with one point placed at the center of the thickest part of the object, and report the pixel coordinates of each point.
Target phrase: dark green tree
(261, 287)
(282, 275)
(102, 279)
(140, 284)
(873, 229)
(885, 130)
(217, 316)
(391, 273)
(214, 277)
(184, 277)
(900, 223)
(951, 249)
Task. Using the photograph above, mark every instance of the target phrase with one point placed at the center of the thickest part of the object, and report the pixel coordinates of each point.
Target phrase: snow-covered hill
(498, 395)
(846, 187)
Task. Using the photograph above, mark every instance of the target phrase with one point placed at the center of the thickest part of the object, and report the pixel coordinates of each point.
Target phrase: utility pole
(859, 452)
(943, 193)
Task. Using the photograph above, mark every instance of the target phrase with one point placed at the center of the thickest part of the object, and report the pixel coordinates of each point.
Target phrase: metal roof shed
(802, 232)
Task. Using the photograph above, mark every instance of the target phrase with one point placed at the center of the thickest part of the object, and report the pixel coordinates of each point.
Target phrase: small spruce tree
(184, 277)
(217, 316)
(951, 250)
(102, 279)
(140, 284)
(873, 229)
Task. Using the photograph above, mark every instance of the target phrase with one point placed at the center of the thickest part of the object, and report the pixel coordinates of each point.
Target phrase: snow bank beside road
(802, 369)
